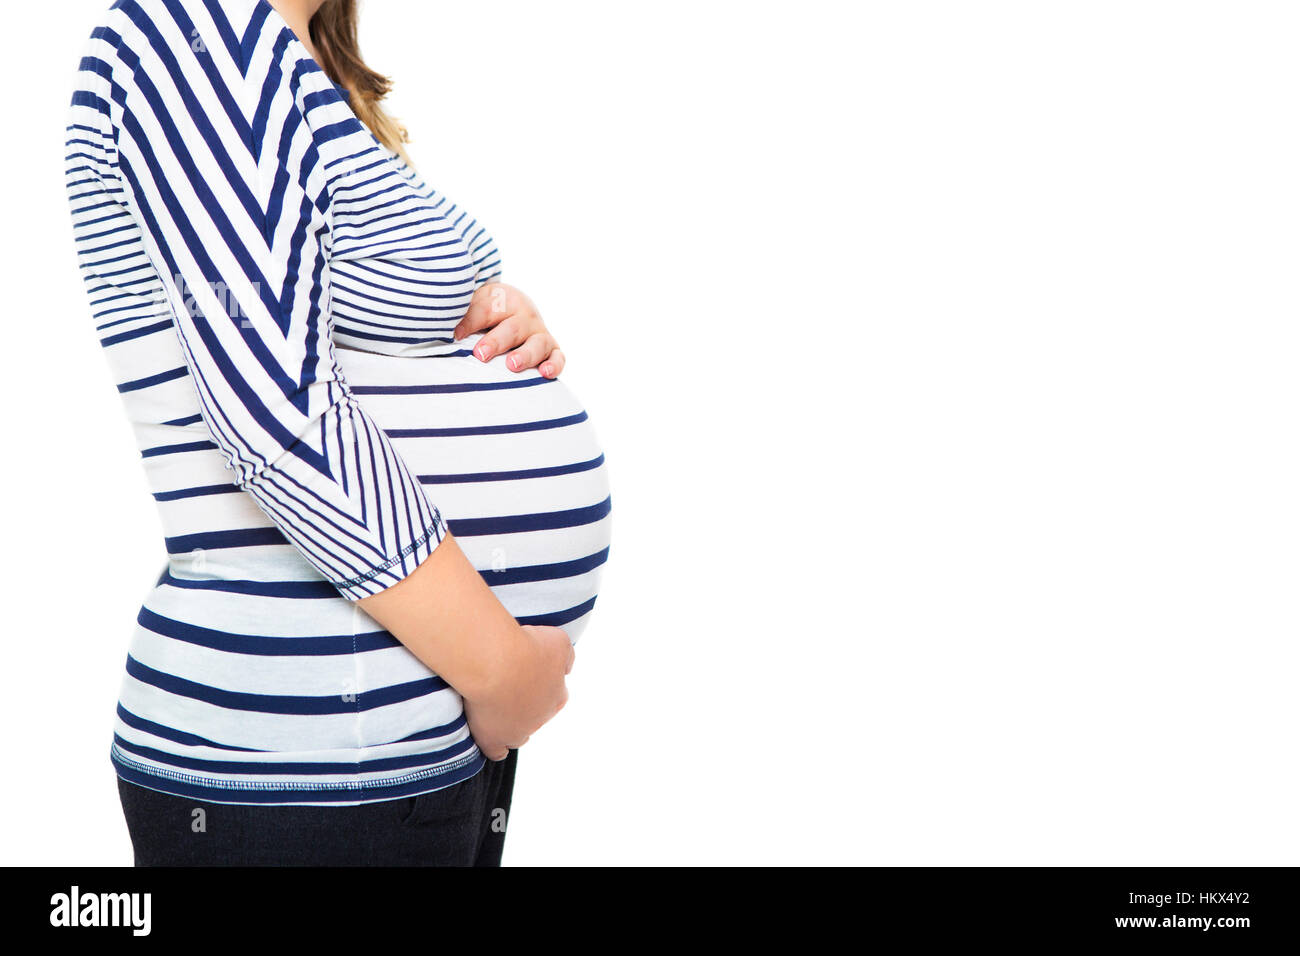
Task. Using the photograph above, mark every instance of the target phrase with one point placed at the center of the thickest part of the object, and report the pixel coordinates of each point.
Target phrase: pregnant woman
(385, 518)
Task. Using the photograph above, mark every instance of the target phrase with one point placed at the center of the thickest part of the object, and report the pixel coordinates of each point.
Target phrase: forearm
(446, 615)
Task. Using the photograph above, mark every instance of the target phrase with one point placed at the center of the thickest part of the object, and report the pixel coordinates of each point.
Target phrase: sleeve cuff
(384, 575)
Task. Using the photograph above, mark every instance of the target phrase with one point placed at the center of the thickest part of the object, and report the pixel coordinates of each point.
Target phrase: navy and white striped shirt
(275, 292)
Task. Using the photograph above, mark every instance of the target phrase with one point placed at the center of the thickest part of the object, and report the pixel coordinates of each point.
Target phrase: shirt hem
(279, 791)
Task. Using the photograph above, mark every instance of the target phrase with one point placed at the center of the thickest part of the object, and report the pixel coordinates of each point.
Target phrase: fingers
(553, 365)
(488, 306)
(508, 333)
(496, 755)
(510, 324)
(534, 350)
(568, 666)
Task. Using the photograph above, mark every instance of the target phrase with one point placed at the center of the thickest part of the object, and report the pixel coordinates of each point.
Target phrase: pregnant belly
(513, 464)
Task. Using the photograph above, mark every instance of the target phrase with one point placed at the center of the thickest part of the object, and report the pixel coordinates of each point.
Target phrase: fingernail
(548, 369)
(513, 362)
(483, 352)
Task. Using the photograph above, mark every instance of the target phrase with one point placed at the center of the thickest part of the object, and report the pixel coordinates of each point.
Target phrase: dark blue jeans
(460, 825)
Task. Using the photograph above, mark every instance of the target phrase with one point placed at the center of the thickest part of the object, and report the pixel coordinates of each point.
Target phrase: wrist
(494, 673)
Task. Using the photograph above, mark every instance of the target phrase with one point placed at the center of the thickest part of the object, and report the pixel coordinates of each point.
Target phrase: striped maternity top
(275, 293)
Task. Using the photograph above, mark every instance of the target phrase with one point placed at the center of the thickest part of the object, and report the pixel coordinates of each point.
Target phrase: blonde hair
(334, 34)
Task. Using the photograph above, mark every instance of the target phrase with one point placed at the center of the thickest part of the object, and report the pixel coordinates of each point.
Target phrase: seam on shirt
(228, 784)
(435, 529)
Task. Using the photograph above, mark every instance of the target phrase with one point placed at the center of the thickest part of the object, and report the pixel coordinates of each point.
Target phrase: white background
(945, 357)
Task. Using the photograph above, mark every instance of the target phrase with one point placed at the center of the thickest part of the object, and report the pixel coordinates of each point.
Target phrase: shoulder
(160, 71)
(195, 55)
(166, 17)
(145, 33)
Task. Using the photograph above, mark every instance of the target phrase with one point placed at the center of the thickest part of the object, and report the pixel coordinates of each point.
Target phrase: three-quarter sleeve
(221, 169)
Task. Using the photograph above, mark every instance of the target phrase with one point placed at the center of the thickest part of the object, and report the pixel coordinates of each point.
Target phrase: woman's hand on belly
(513, 325)
(510, 676)
(528, 692)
